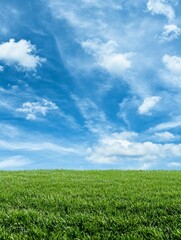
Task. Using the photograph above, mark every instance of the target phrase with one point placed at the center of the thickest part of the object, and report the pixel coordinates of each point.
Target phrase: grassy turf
(90, 205)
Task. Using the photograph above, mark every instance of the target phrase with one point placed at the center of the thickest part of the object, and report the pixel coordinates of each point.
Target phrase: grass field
(90, 205)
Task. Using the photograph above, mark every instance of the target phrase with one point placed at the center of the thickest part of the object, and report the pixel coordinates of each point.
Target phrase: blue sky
(90, 84)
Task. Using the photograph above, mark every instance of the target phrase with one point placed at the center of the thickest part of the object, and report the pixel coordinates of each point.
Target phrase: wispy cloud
(111, 67)
(109, 43)
(95, 119)
(37, 146)
(174, 164)
(8, 130)
(10, 16)
(76, 14)
(173, 123)
(14, 162)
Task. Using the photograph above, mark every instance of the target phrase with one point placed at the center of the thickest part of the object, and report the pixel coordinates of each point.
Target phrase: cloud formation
(35, 109)
(173, 123)
(14, 162)
(95, 119)
(174, 164)
(115, 148)
(20, 53)
(111, 67)
(148, 104)
(164, 136)
(108, 56)
(170, 32)
(37, 145)
(172, 63)
(172, 73)
(161, 7)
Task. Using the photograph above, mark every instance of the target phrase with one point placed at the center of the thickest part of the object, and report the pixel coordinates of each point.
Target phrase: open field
(64, 204)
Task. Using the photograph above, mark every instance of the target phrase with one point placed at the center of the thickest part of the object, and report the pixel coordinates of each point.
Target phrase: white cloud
(96, 30)
(1, 68)
(116, 63)
(115, 149)
(148, 104)
(172, 63)
(161, 7)
(101, 4)
(75, 12)
(14, 162)
(171, 31)
(70, 12)
(38, 146)
(10, 17)
(35, 109)
(164, 136)
(20, 53)
(174, 164)
(95, 119)
(145, 166)
(8, 130)
(94, 26)
(172, 73)
(17, 139)
(108, 56)
(174, 123)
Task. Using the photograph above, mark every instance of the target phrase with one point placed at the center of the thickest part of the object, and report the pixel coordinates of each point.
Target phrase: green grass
(90, 205)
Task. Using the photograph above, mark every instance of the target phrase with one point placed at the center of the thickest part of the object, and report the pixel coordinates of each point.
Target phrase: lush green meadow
(90, 205)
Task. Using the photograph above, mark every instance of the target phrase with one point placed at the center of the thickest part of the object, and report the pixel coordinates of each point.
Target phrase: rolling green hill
(62, 204)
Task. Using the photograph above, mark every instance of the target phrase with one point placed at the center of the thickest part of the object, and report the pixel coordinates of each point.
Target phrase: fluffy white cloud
(172, 73)
(172, 63)
(164, 136)
(148, 104)
(115, 148)
(116, 63)
(35, 109)
(20, 53)
(170, 32)
(161, 7)
(108, 56)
